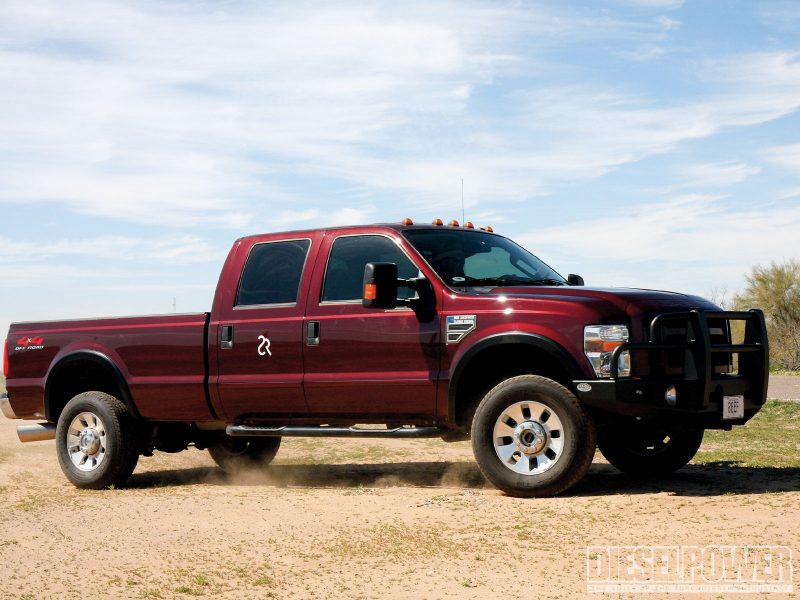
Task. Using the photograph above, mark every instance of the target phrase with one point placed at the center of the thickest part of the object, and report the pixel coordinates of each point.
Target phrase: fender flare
(540, 342)
(99, 359)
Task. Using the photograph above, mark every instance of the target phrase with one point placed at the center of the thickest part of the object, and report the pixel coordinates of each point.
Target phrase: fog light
(671, 395)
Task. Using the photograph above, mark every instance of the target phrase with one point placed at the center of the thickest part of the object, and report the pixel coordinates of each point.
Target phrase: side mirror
(380, 286)
(574, 279)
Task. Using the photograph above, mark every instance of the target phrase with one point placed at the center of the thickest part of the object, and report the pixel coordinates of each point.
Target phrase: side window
(272, 273)
(348, 257)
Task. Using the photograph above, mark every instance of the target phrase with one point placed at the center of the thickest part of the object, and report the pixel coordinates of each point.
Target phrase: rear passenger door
(260, 354)
(363, 362)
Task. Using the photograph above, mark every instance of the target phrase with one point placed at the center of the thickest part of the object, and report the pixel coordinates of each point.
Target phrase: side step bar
(357, 432)
(37, 433)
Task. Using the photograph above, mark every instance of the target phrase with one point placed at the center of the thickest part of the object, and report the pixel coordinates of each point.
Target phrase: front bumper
(700, 390)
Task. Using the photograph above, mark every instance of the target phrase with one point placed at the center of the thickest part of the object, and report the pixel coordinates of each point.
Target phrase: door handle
(312, 333)
(226, 337)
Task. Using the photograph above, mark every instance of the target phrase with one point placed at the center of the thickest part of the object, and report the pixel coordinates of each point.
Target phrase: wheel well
(75, 378)
(497, 363)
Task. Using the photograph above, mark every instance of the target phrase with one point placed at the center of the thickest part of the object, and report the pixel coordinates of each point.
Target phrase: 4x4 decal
(30, 343)
(458, 326)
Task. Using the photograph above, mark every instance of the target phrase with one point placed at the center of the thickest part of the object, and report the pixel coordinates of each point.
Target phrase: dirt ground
(356, 519)
(784, 387)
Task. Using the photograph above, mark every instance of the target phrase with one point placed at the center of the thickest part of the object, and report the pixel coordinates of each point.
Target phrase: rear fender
(96, 358)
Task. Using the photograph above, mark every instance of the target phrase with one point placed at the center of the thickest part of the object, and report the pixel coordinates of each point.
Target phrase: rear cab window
(272, 273)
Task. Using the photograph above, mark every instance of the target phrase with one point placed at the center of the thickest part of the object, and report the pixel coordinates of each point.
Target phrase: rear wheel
(649, 454)
(531, 437)
(97, 441)
(242, 452)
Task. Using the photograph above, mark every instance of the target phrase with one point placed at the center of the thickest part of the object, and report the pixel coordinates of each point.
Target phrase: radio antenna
(463, 218)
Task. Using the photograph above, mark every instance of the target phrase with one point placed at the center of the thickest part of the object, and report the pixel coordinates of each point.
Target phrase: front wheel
(649, 454)
(244, 452)
(97, 441)
(531, 437)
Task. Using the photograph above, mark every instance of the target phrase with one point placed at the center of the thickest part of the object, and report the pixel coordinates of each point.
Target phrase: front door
(260, 332)
(378, 364)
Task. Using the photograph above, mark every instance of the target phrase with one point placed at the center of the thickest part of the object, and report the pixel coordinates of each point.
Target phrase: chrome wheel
(86, 441)
(528, 438)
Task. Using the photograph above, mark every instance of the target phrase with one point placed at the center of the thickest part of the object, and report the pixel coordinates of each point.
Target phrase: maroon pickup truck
(430, 330)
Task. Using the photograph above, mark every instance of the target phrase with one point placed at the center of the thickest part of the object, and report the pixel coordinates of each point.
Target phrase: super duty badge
(459, 326)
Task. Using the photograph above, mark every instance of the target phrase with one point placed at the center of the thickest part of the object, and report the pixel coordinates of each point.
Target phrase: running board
(289, 431)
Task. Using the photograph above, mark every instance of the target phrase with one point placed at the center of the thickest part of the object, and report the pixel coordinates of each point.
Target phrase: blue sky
(647, 143)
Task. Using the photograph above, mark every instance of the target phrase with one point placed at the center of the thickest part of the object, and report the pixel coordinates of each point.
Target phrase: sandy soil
(347, 519)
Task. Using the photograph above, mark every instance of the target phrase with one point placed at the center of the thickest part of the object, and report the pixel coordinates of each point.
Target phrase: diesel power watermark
(686, 569)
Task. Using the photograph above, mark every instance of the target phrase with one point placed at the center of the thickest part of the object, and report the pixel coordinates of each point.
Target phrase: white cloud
(290, 218)
(793, 193)
(176, 250)
(352, 216)
(717, 174)
(787, 157)
(688, 239)
(655, 4)
(179, 116)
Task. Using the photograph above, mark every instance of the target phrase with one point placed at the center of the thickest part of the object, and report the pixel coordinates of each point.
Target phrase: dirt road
(784, 387)
(349, 519)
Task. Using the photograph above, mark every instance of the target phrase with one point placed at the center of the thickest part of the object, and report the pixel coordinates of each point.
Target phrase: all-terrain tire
(567, 444)
(117, 435)
(651, 455)
(236, 453)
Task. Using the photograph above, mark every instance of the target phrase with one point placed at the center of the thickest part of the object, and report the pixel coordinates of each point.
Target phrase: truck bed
(161, 357)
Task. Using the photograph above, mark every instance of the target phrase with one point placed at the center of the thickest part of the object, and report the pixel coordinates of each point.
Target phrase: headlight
(599, 342)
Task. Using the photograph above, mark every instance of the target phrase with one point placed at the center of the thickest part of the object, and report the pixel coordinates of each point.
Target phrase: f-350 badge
(458, 326)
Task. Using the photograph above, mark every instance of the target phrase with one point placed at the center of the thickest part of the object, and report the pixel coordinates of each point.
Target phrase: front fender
(536, 340)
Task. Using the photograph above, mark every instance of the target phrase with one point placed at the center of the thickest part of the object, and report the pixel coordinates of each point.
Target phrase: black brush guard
(700, 388)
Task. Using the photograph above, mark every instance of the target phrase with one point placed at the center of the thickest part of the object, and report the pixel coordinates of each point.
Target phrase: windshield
(470, 258)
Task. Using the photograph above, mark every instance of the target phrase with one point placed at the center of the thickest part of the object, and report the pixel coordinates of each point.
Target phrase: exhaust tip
(38, 432)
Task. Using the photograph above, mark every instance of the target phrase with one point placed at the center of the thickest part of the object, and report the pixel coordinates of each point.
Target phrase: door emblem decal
(459, 326)
(263, 347)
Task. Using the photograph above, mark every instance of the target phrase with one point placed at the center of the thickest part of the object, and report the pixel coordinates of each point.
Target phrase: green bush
(776, 290)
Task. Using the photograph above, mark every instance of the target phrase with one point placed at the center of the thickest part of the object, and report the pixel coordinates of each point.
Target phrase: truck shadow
(710, 479)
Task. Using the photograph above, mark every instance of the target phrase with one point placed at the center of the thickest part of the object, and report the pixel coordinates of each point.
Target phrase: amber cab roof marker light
(469, 225)
(489, 229)
(437, 222)
(407, 222)
(453, 223)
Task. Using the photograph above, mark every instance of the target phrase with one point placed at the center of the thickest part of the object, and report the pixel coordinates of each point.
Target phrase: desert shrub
(775, 289)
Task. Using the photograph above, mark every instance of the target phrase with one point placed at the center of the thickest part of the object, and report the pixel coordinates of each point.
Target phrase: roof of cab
(395, 226)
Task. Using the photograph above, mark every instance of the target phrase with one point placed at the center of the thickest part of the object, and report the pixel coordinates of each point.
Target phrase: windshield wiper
(510, 282)
(547, 282)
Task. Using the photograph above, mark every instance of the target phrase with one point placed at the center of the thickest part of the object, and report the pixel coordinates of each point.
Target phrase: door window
(349, 255)
(272, 273)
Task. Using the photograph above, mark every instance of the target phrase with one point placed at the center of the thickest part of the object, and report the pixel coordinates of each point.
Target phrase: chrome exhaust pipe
(38, 432)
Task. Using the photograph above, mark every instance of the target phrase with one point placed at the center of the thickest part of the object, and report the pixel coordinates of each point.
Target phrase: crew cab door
(260, 345)
(362, 363)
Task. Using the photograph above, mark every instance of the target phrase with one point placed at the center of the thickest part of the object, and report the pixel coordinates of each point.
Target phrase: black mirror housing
(380, 286)
(574, 279)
